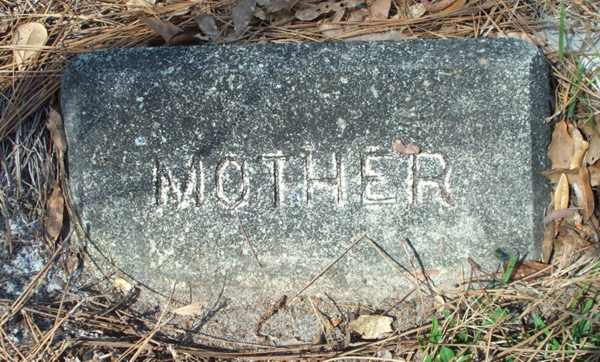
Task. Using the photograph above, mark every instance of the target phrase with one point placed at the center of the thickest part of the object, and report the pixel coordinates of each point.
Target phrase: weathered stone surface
(183, 161)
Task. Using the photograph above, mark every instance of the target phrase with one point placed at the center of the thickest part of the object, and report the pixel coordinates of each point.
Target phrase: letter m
(181, 187)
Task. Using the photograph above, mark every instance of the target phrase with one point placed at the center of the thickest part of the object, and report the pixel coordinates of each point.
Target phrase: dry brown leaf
(561, 194)
(580, 147)
(371, 326)
(568, 245)
(338, 16)
(446, 6)
(529, 267)
(57, 133)
(554, 174)
(326, 7)
(455, 6)
(185, 38)
(208, 25)
(590, 230)
(308, 14)
(55, 212)
(388, 35)
(593, 153)
(273, 6)
(555, 215)
(140, 4)
(594, 171)
(163, 28)
(518, 35)
(548, 242)
(417, 10)
(358, 15)
(404, 149)
(561, 147)
(583, 193)
(241, 14)
(33, 36)
(122, 285)
(380, 9)
(331, 30)
(439, 303)
(193, 309)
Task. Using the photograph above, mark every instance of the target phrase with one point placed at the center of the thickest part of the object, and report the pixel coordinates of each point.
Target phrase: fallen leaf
(308, 14)
(380, 9)
(185, 38)
(530, 267)
(593, 153)
(165, 29)
(193, 309)
(439, 303)
(561, 194)
(568, 245)
(548, 242)
(336, 322)
(314, 11)
(57, 133)
(580, 146)
(590, 230)
(446, 6)
(273, 6)
(554, 174)
(140, 4)
(122, 285)
(358, 15)
(417, 10)
(371, 326)
(388, 35)
(55, 212)
(207, 25)
(594, 171)
(32, 36)
(404, 149)
(241, 15)
(561, 147)
(331, 30)
(338, 15)
(555, 215)
(518, 35)
(583, 193)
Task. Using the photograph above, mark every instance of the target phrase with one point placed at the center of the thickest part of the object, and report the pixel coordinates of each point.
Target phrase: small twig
(270, 312)
(249, 242)
(355, 240)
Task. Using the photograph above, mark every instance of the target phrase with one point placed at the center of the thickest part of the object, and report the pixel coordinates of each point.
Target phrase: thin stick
(249, 242)
(353, 242)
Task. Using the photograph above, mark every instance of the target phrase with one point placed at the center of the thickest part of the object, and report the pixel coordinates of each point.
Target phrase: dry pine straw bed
(531, 310)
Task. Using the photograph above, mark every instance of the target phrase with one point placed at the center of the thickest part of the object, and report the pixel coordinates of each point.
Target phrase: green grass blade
(562, 34)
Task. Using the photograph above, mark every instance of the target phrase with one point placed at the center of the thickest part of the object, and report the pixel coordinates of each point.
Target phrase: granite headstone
(248, 169)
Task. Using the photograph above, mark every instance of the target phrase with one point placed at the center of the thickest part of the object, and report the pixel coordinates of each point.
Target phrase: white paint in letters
(311, 181)
(182, 192)
(277, 162)
(440, 184)
(241, 200)
(371, 178)
(186, 187)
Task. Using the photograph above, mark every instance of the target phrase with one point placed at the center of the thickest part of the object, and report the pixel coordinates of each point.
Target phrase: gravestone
(246, 170)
